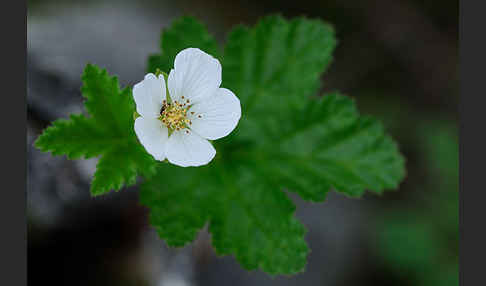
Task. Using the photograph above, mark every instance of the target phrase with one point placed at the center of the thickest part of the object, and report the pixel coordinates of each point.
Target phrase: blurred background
(397, 58)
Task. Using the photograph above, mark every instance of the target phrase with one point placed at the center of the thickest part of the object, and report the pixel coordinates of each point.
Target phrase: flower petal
(153, 135)
(185, 148)
(196, 75)
(148, 95)
(216, 116)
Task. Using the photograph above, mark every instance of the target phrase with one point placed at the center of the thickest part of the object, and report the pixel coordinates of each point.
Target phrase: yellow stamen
(174, 116)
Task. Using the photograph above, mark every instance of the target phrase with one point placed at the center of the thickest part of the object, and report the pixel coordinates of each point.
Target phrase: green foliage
(248, 216)
(287, 139)
(184, 32)
(108, 133)
(73, 138)
(241, 195)
(276, 65)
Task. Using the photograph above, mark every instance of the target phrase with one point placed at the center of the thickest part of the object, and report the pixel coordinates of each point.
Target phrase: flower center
(173, 115)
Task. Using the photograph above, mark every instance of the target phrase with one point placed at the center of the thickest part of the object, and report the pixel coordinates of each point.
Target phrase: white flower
(177, 126)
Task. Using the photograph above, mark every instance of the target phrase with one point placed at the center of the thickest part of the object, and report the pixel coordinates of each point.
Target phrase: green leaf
(325, 145)
(120, 166)
(286, 140)
(106, 103)
(277, 63)
(179, 204)
(255, 221)
(73, 138)
(108, 133)
(351, 153)
(185, 32)
(275, 68)
(248, 217)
